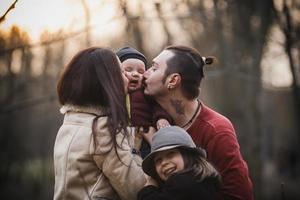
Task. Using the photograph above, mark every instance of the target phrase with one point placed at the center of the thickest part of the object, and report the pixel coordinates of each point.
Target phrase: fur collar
(96, 110)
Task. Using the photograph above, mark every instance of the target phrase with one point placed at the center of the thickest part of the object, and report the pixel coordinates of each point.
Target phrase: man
(174, 81)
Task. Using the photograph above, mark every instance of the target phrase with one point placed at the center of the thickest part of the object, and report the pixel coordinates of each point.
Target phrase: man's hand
(161, 123)
(148, 135)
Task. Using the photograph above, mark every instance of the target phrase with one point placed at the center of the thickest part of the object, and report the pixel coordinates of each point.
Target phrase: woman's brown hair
(93, 78)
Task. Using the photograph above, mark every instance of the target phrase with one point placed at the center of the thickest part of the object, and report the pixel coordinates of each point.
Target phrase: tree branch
(8, 10)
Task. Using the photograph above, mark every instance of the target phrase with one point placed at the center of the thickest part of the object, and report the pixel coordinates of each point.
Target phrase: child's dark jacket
(181, 187)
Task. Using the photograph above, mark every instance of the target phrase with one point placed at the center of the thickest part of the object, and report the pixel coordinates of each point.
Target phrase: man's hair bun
(209, 60)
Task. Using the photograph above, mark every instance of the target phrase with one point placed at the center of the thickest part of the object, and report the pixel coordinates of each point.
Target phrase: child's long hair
(196, 164)
(199, 166)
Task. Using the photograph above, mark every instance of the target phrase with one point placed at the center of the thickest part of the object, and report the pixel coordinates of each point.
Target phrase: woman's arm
(119, 166)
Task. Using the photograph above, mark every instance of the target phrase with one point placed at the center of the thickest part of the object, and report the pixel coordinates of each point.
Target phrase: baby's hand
(161, 123)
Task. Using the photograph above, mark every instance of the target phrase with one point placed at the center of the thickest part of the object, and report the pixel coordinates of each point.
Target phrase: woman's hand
(138, 137)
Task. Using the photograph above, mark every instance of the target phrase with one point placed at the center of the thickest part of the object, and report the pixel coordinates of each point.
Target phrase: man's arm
(224, 153)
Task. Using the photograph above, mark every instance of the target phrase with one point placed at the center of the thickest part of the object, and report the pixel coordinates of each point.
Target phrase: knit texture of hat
(129, 52)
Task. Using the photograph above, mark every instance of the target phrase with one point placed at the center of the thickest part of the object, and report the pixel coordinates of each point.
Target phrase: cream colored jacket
(83, 172)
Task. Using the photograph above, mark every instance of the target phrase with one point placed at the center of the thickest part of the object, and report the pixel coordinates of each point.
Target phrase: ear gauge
(209, 60)
(169, 87)
(204, 59)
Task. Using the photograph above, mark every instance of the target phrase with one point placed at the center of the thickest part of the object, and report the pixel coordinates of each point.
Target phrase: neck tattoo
(177, 104)
(194, 115)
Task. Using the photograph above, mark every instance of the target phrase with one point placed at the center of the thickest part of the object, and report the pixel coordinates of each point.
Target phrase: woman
(92, 152)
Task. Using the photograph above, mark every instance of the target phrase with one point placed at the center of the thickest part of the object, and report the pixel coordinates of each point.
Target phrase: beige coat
(82, 171)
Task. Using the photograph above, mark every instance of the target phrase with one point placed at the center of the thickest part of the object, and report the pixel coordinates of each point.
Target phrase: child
(178, 169)
(144, 112)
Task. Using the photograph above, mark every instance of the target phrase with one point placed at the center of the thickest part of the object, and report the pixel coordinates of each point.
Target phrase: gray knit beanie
(129, 52)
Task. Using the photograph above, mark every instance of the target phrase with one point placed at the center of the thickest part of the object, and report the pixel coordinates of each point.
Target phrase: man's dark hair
(189, 64)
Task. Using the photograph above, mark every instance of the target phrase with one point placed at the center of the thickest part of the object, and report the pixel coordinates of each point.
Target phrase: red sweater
(216, 135)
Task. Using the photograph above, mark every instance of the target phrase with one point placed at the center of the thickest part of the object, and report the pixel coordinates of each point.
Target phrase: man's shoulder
(214, 119)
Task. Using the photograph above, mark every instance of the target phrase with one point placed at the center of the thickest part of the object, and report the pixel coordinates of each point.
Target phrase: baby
(145, 113)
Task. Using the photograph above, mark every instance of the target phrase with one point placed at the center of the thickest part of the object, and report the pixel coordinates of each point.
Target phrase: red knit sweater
(216, 135)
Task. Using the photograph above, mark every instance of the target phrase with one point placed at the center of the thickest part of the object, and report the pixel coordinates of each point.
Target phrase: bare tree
(284, 19)
(2, 18)
(164, 23)
(87, 21)
(132, 24)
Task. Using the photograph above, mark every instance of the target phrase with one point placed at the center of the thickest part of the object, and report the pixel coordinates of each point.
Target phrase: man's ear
(174, 80)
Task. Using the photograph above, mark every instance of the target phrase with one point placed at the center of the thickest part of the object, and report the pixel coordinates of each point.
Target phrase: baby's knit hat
(129, 52)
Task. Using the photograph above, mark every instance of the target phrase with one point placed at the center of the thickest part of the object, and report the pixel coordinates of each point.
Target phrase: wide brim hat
(169, 138)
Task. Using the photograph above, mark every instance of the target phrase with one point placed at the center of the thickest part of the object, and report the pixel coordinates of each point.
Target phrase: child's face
(168, 162)
(134, 70)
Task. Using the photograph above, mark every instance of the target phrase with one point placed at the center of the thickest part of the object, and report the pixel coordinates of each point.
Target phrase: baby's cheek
(127, 74)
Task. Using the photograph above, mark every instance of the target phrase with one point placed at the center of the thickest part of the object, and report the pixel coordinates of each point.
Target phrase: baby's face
(168, 162)
(134, 70)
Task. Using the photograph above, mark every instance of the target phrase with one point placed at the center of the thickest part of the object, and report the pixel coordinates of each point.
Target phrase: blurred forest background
(256, 83)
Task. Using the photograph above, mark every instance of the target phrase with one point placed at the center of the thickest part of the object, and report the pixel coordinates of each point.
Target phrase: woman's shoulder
(93, 110)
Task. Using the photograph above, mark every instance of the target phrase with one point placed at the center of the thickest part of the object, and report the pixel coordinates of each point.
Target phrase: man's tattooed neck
(177, 104)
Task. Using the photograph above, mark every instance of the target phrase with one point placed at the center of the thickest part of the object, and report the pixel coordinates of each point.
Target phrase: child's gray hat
(168, 138)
